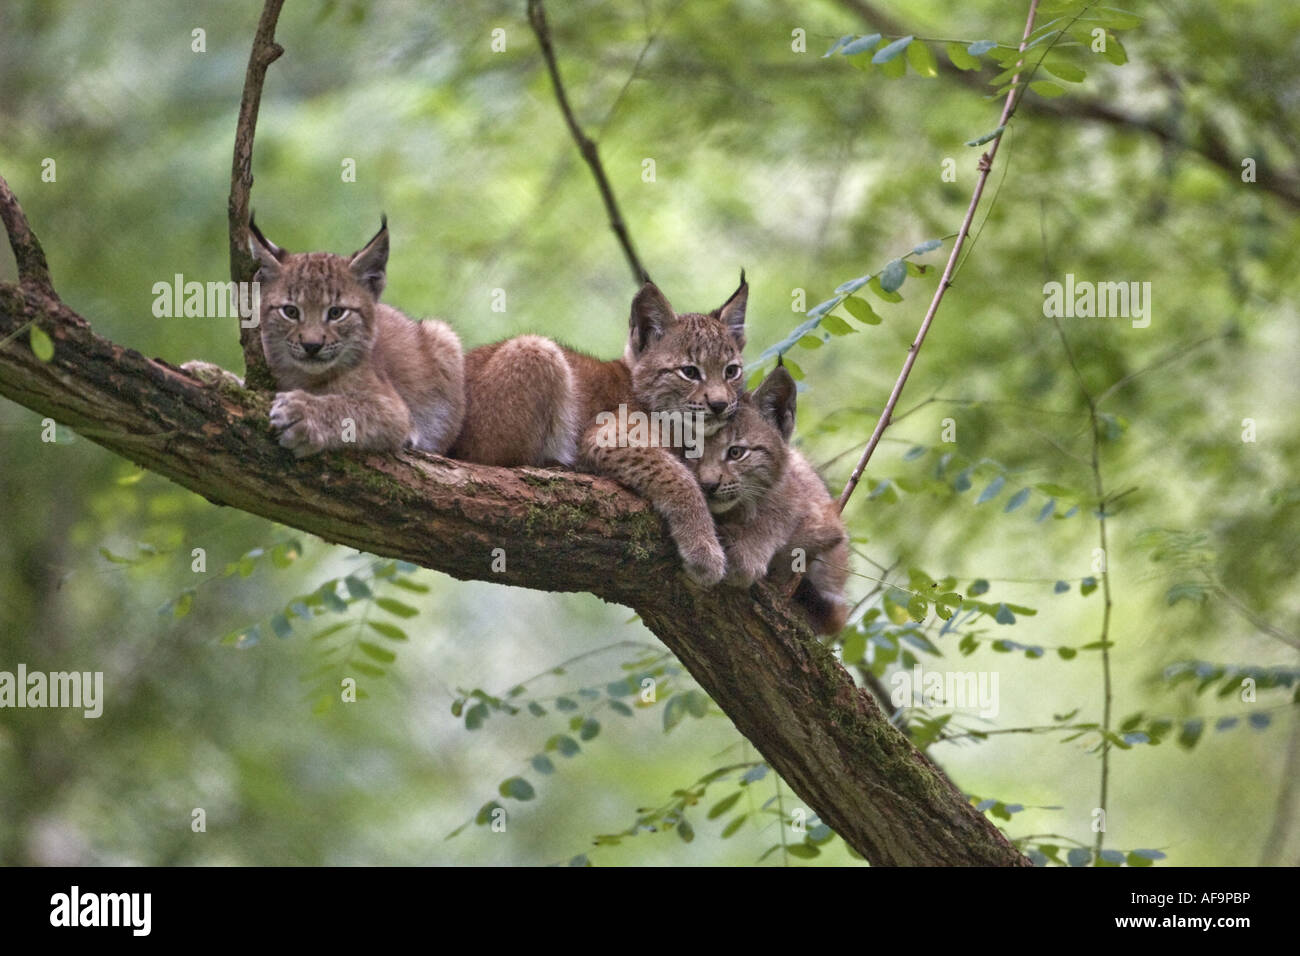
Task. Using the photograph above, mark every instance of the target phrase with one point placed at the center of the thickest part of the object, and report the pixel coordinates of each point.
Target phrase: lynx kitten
(353, 373)
(532, 401)
(775, 517)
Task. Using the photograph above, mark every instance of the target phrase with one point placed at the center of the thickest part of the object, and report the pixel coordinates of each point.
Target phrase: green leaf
(542, 764)
(1018, 499)
(1191, 732)
(860, 45)
(356, 587)
(375, 652)
(393, 606)
(960, 58)
(565, 703)
(855, 647)
(685, 830)
(980, 47)
(735, 824)
(892, 50)
(838, 44)
(804, 851)
(1065, 71)
(987, 137)
(280, 625)
(536, 709)
(860, 310)
(484, 815)
(875, 286)
(892, 276)
(837, 326)
(517, 788)
(589, 728)
(390, 631)
(1087, 586)
(977, 587)
(991, 490)
(723, 805)
(697, 703)
(475, 716)
(922, 60)
(563, 744)
(1067, 653)
(370, 670)
(184, 602)
(1047, 88)
(42, 346)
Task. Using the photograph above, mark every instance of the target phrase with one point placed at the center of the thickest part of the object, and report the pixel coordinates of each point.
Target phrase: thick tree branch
(242, 265)
(586, 146)
(782, 689)
(985, 167)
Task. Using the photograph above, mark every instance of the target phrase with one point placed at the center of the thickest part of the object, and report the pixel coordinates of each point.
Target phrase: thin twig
(586, 146)
(33, 270)
(985, 166)
(242, 264)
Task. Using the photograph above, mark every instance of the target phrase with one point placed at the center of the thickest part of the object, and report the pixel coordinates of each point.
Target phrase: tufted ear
(369, 264)
(733, 312)
(651, 317)
(775, 400)
(267, 253)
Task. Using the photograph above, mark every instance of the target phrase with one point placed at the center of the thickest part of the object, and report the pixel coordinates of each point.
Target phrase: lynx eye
(732, 371)
(290, 312)
(737, 452)
(335, 313)
(690, 372)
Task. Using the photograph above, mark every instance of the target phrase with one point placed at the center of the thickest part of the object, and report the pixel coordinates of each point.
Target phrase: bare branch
(33, 270)
(985, 167)
(242, 265)
(586, 146)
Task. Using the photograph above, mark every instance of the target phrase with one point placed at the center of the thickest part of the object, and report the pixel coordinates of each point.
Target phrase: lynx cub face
(688, 364)
(317, 308)
(774, 516)
(741, 463)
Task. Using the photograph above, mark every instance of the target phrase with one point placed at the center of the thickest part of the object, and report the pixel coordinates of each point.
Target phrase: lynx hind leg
(440, 413)
(659, 476)
(522, 407)
(821, 592)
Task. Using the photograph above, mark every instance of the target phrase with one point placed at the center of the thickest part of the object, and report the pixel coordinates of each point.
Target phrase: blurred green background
(805, 171)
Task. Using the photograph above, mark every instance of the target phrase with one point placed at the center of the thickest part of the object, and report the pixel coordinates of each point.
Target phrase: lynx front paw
(210, 374)
(293, 416)
(739, 578)
(704, 560)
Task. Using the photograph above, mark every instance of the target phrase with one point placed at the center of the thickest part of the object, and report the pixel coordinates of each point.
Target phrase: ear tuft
(651, 317)
(369, 265)
(775, 400)
(733, 311)
(267, 253)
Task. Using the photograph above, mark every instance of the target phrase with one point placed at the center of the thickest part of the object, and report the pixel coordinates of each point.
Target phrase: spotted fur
(339, 356)
(774, 515)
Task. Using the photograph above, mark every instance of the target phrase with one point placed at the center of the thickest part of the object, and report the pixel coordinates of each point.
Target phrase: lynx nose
(709, 487)
(718, 407)
(311, 348)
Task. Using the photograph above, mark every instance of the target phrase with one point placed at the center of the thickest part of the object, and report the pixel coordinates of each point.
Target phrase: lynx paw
(292, 415)
(739, 578)
(210, 374)
(705, 561)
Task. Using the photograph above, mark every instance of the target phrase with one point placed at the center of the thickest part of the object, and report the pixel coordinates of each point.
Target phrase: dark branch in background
(33, 270)
(242, 265)
(586, 146)
(985, 167)
(783, 690)
(1209, 144)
